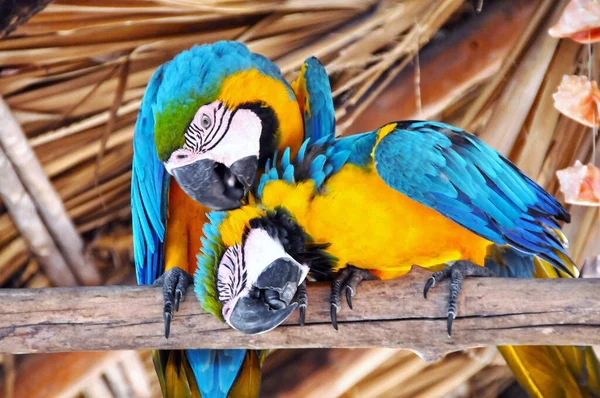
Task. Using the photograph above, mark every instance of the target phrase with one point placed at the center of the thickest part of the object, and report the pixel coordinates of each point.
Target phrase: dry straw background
(74, 75)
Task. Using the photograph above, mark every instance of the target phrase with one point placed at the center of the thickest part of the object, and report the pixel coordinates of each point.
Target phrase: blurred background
(74, 74)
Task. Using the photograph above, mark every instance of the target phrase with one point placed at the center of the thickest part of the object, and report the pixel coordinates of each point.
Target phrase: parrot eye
(205, 121)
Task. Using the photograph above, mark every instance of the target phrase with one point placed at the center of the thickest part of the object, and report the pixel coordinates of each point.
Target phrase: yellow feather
(247, 382)
(175, 375)
(248, 86)
(402, 232)
(382, 132)
(232, 227)
(301, 92)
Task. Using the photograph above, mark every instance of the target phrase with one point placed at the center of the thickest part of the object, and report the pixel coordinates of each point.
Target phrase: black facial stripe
(231, 286)
(224, 132)
(193, 138)
(212, 135)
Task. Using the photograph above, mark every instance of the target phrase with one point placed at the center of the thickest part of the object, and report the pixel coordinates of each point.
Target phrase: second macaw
(375, 204)
(196, 109)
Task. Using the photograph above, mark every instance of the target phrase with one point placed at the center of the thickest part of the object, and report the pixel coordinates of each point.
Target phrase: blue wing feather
(148, 201)
(319, 116)
(458, 175)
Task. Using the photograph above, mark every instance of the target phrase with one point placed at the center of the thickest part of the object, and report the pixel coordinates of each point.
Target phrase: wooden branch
(492, 311)
(27, 220)
(48, 203)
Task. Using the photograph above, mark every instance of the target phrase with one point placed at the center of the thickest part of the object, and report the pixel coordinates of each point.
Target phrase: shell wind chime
(578, 98)
(580, 22)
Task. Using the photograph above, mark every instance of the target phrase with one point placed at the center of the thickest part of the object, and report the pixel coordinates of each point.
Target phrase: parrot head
(218, 113)
(251, 266)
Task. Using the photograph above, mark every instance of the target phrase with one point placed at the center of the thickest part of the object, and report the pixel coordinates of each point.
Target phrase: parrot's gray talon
(174, 283)
(347, 280)
(302, 301)
(349, 294)
(430, 283)
(333, 312)
(167, 317)
(457, 272)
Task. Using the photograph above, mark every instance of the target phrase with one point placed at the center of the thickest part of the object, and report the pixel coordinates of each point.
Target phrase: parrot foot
(346, 282)
(457, 272)
(174, 283)
(302, 301)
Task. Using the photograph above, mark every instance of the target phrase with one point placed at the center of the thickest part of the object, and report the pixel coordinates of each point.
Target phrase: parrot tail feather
(554, 371)
(175, 375)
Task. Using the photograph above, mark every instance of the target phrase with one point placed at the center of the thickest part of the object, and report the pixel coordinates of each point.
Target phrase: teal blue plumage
(458, 175)
(320, 121)
(148, 191)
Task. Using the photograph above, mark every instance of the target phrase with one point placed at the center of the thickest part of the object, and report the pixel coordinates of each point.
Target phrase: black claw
(334, 316)
(456, 272)
(178, 296)
(167, 316)
(302, 310)
(174, 283)
(428, 285)
(450, 320)
(349, 297)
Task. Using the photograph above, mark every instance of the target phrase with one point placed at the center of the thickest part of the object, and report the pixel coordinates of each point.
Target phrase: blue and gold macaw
(196, 109)
(374, 205)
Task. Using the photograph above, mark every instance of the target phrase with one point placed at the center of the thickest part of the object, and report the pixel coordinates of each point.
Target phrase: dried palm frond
(74, 76)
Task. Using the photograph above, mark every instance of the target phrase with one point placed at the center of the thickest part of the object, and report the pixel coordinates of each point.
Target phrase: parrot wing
(313, 93)
(148, 192)
(458, 175)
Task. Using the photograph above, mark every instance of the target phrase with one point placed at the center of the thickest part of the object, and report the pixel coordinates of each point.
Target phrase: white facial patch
(239, 139)
(218, 134)
(260, 251)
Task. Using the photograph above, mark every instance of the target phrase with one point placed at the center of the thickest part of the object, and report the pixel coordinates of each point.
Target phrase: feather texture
(313, 93)
(458, 175)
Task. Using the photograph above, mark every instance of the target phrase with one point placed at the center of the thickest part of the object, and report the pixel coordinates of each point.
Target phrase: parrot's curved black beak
(215, 185)
(271, 300)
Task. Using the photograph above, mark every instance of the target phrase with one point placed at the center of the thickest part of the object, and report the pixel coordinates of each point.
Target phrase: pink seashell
(580, 21)
(579, 99)
(580, 184)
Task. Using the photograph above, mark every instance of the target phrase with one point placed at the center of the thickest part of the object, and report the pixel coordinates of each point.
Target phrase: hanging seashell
(580, 21)
(579, 99)
(580, 184)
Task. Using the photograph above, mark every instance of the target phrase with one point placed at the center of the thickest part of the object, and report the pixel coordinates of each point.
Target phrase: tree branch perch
(492, 311)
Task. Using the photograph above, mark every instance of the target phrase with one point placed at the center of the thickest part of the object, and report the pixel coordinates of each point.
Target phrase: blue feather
(318, 178)
(215, 370)
(317, 164)
(285, 159)
(261, 185)
(288, 175)
(320, 121)
(302, 151)
(273, 175)
(457, 174)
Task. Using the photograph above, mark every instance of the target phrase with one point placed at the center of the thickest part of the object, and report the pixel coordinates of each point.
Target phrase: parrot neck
(233, 225)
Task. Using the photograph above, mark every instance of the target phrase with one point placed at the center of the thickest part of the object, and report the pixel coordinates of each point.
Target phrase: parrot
(372, 205)
(195, 110)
